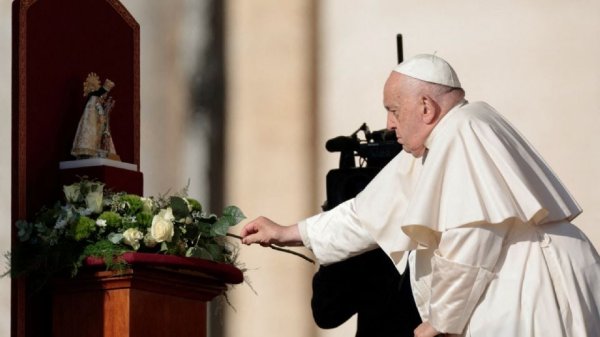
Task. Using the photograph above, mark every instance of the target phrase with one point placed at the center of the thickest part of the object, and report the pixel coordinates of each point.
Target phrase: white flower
(60, 223)
(93, 201)
(147, 204)
(83, 211)
(149, 240)
(72, 193)
(101, 223)
(162, 226)
(132, 237)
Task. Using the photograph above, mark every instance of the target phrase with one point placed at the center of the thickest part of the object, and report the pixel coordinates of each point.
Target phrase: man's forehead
(393, 87)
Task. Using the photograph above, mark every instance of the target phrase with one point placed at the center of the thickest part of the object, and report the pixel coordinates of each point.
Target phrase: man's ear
(431, 109)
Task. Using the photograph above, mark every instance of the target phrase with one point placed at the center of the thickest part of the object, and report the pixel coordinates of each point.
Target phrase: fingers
(248, 229)
(258, 231)
(266, 232)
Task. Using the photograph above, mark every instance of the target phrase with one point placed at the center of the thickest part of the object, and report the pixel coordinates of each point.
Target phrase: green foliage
(180, 207)
(144, 219)
(195, 205)
(93, 222)
(113, 219)
(83, 228)
(131, 203)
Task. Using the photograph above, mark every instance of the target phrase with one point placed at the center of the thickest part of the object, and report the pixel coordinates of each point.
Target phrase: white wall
(269, 158)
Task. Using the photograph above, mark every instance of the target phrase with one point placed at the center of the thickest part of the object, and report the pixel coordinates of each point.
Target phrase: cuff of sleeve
(455, 291)
(303, 229)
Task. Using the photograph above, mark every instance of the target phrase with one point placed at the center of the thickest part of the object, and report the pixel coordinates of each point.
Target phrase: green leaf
(221, 226)
(196, 206)
(179, 207)
(198, 252)
(216, 251)
(235, 213)
(115, 238)
(24, 230)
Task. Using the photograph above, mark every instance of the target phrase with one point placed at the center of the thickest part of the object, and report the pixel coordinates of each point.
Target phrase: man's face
(405, 115)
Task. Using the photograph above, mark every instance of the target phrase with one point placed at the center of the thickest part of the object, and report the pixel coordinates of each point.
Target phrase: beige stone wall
(269, 156)
(172, 146)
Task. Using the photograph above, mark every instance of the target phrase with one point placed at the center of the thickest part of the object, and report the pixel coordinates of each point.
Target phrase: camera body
(367, 284)
(360, 161)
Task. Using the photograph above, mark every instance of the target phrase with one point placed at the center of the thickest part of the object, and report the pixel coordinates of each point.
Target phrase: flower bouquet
(93, 223)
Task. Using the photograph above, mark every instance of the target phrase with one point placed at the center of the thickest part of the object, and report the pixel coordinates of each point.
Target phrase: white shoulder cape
(478, 170)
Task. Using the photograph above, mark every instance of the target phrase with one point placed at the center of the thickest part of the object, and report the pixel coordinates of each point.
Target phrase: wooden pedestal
(144, 301)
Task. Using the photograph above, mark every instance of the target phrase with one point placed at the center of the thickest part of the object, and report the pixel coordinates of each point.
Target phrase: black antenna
(399, 48)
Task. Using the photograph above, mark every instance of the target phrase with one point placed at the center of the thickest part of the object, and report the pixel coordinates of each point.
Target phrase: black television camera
(367, 284)
(374, 150)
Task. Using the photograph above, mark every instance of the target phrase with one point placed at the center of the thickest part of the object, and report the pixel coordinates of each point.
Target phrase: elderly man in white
(488, 224)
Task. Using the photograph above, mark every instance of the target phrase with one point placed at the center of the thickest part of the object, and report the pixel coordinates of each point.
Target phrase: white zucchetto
(429, 68)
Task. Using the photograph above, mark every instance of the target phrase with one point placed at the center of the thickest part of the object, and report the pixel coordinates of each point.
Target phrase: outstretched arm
(266, 232)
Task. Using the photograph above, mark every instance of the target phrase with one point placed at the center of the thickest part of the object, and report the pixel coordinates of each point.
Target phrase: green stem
(279, 249)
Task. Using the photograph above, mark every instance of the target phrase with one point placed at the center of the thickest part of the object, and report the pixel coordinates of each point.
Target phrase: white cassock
(494, 252)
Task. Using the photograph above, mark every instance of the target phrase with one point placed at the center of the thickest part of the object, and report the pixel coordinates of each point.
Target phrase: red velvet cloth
(224, 272)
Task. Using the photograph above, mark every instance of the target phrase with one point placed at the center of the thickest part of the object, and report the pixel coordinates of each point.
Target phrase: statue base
(118, 176)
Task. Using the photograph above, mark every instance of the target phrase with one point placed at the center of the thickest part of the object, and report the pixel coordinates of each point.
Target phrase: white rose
(147, 204)
(167, 214)
(101, 223)
(132, 237)
(149, 240)
(72, 193)
(93, 201)
(162, 228)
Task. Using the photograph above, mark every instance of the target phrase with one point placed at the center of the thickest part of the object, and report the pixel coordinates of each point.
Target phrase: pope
(482, 221)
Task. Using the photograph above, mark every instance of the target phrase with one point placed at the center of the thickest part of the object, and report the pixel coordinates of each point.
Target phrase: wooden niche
(56, 43)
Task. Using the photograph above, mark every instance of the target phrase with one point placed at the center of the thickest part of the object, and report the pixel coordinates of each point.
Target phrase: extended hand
(266, 232)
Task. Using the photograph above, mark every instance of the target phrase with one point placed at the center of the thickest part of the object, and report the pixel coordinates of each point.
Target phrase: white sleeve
(462, 267)
(335, 235)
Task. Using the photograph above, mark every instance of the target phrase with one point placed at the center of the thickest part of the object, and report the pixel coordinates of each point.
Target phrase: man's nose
(391, 124)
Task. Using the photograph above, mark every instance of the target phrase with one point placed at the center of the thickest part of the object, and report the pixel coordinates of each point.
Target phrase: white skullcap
(429, 68)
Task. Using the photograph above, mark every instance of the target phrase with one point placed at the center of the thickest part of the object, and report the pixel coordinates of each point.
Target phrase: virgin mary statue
(93, 137)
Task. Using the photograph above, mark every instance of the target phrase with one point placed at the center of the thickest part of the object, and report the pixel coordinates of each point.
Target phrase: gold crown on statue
(91, 84)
